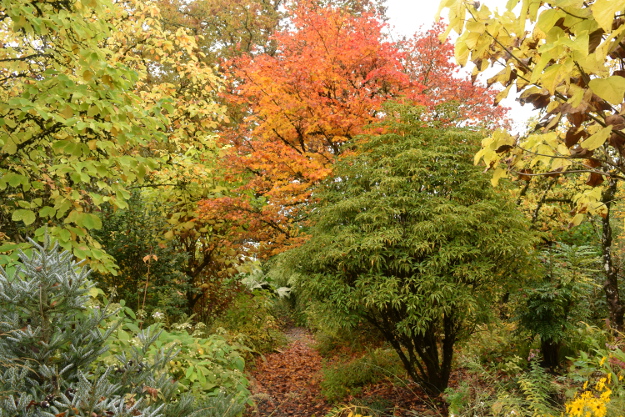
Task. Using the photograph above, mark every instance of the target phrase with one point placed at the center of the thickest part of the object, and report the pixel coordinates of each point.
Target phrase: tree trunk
(551, 353)
(610, 285)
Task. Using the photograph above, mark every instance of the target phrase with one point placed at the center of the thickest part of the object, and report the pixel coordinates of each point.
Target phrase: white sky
(407, 16)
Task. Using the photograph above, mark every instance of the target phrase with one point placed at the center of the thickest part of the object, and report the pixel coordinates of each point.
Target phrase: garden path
(286, 383)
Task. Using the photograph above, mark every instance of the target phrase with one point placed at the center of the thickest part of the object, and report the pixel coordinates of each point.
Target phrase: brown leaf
(593, 163)
(153, 392)
(572, 137)
(617, 141)
(615, 120)
(538, 100)
(599, 104)
(523, 177)
(579, 152)
(594, 179)
(555, 173)
(576, 118)
(503, 148)
(618, 52)
(595, 39)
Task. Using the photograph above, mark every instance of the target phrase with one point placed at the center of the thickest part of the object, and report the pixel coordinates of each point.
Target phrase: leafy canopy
(325, 83)
(409, 236)
(565, 57)
(68, 123)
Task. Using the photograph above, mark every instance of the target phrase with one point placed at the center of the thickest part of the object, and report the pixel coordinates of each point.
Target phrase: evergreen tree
(49, 343)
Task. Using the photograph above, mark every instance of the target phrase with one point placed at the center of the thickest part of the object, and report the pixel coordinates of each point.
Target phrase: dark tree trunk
(551, 353)
(610, 286)
(426, 357)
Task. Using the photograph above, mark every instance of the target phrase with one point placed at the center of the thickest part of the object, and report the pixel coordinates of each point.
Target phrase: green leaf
(14, 179)
(91, 221)
(47, 212)
(81, 252)
(611, 89)
(26, 216)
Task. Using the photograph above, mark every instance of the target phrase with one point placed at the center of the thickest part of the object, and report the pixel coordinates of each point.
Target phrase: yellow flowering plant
(591, 402)
(602, 394)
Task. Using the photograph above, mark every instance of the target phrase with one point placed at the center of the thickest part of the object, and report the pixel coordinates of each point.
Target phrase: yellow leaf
(67, 112)
(497, 175)
(108, 80)
(610, 89)
(461, 52)
(597, 139)
(575, 221)
(603, 11)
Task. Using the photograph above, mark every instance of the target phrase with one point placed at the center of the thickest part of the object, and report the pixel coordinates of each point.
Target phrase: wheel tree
(410, 237)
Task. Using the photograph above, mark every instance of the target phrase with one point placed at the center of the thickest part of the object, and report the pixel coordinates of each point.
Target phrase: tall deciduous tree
(566, 58)
(327, 81)
(227, 28)
(453, 99)
(172, 67)
(68, 118)
(332, 71)
(409, 236)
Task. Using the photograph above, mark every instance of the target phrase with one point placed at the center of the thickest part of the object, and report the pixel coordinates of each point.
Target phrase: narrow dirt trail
(286, 383)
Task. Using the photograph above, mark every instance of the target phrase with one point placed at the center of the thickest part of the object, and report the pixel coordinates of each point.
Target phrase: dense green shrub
(409, 236)
(51, 343)
(205, 365)
(250, 321)
(145, 282)
(553, 307)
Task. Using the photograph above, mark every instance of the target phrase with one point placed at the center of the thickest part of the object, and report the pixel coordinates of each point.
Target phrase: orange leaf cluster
(325, 84)
(451, 97)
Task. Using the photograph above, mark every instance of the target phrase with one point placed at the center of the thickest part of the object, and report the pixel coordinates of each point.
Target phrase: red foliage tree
(452, 98)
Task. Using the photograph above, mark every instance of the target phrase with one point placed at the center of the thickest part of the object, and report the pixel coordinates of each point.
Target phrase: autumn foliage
(293, 111)
(326, 83)
(452, 99)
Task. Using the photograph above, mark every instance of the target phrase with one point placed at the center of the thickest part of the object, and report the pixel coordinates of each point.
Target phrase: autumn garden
(238, 208)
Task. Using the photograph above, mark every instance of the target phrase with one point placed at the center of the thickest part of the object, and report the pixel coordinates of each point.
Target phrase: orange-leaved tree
(331, 72)
(293, 111)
